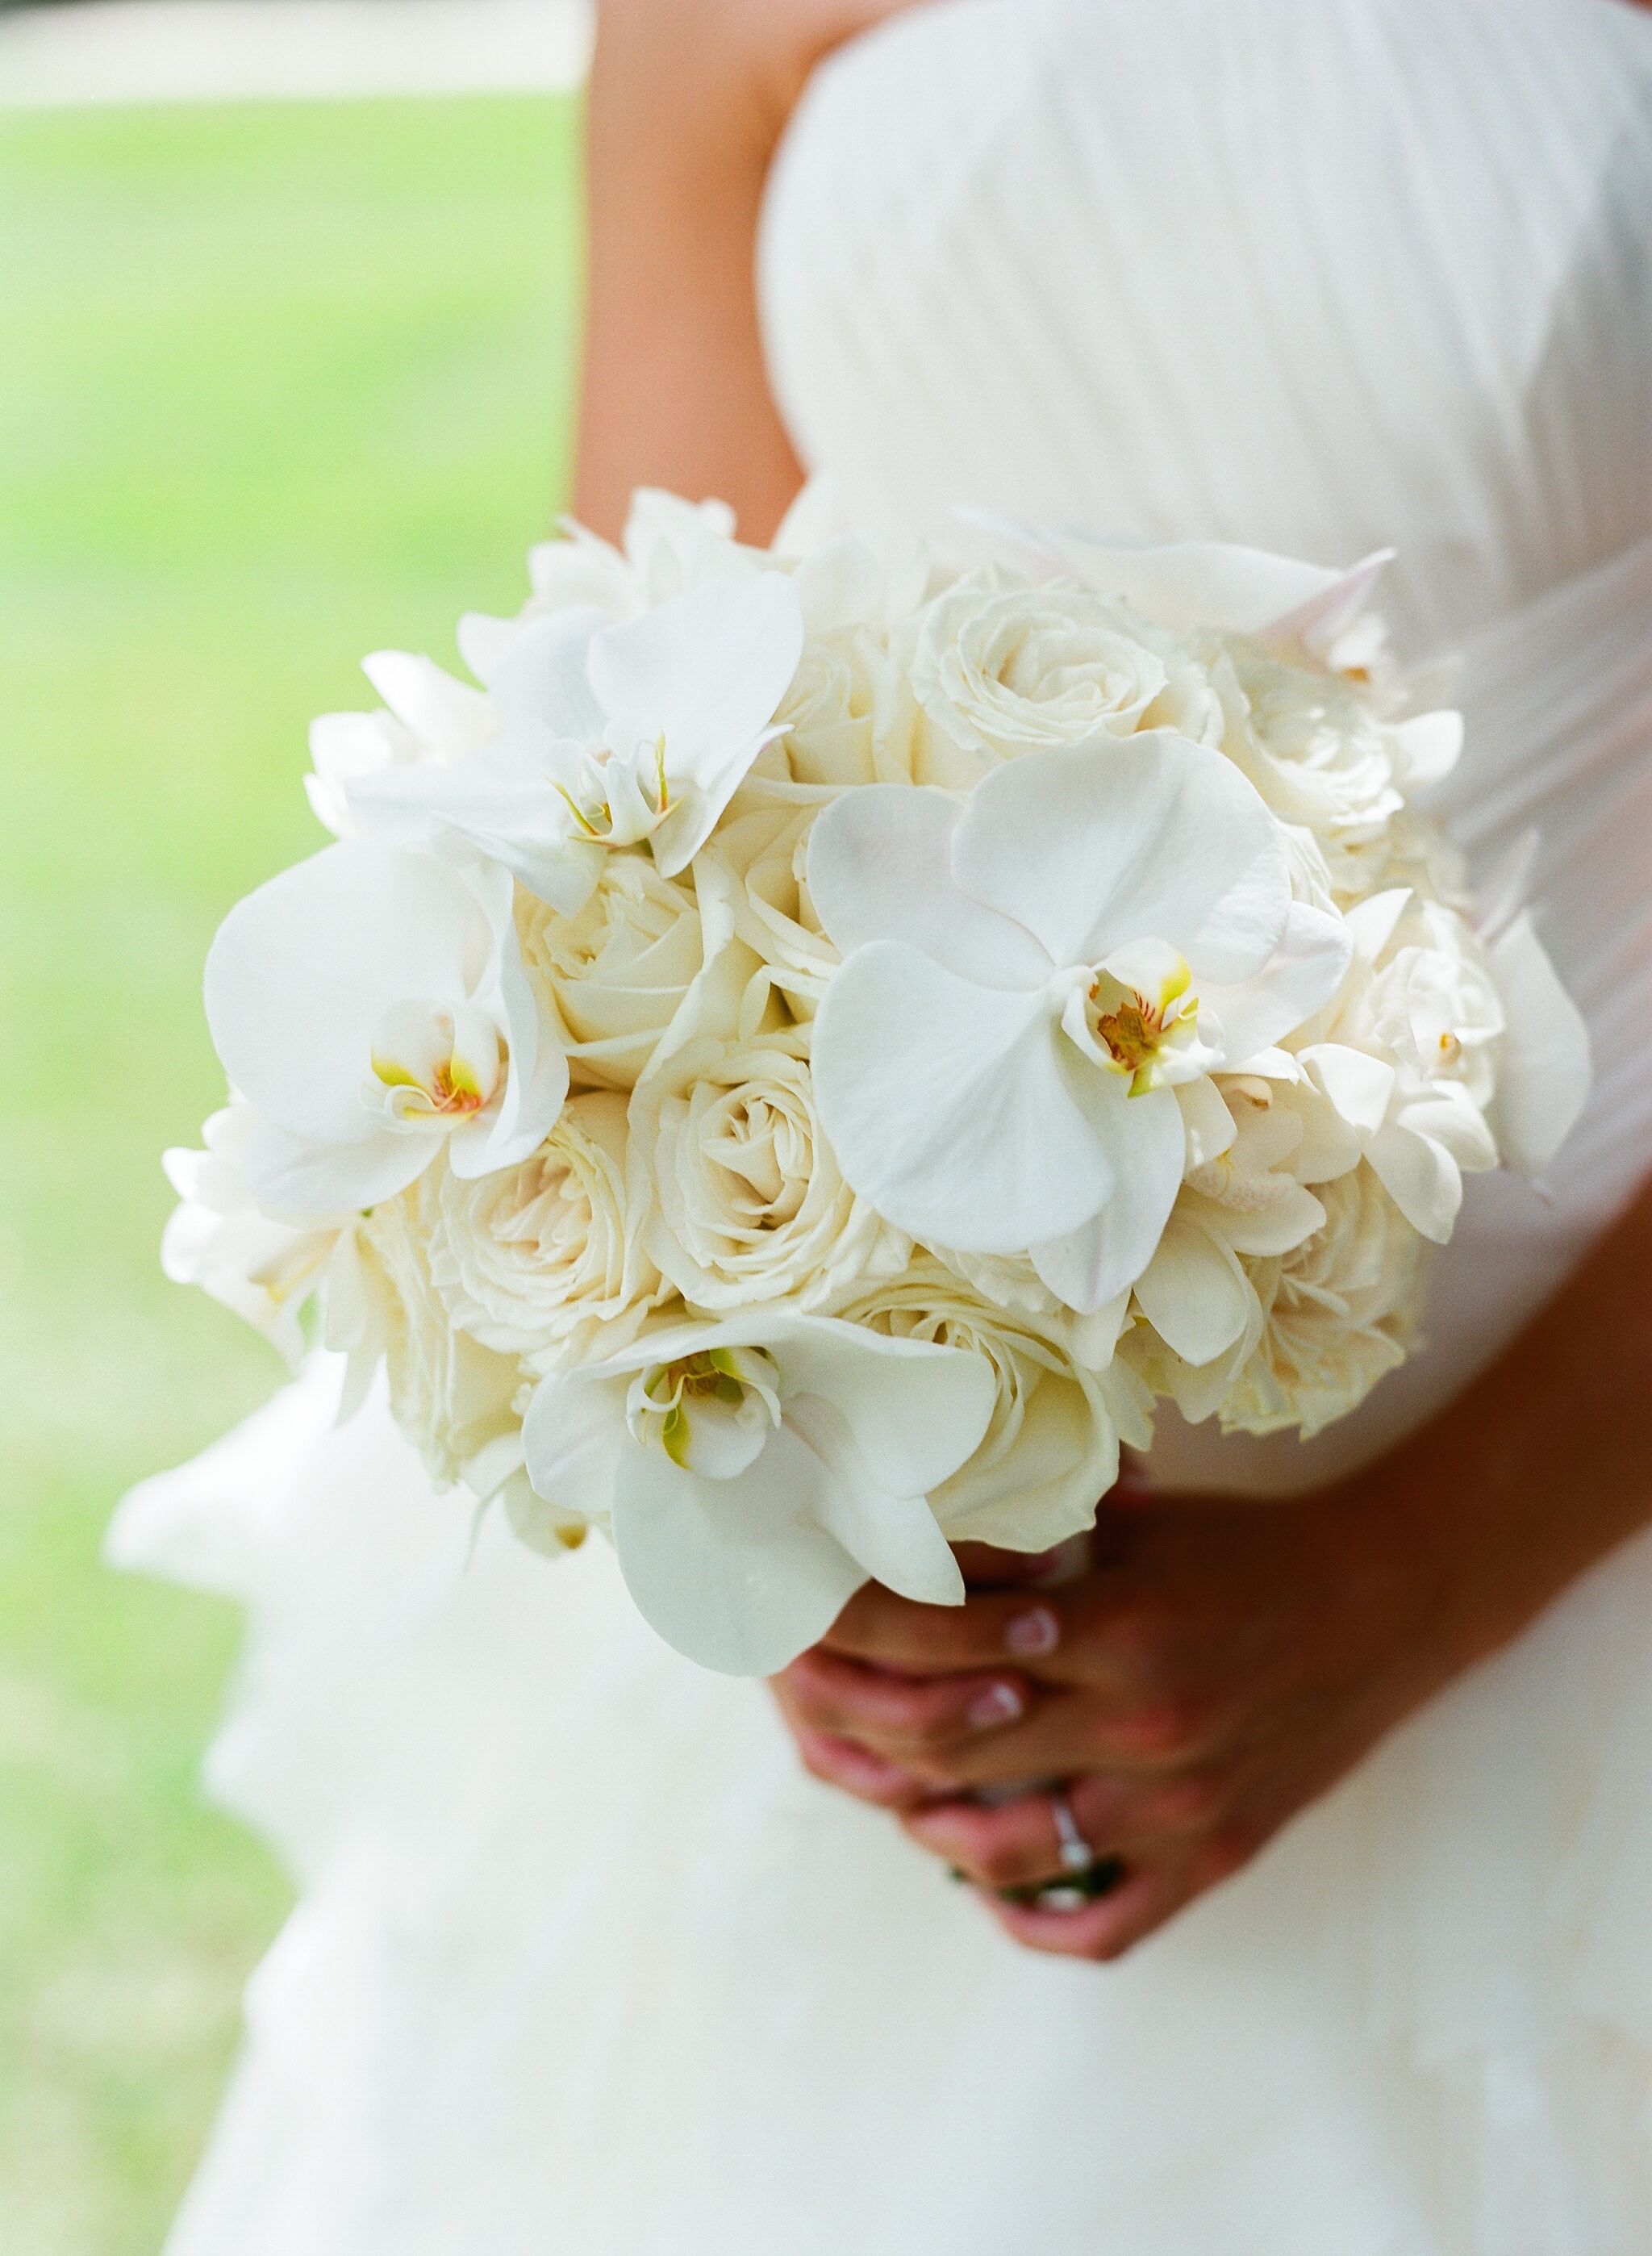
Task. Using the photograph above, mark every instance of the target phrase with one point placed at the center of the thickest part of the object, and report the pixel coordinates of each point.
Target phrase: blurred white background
(126, 51)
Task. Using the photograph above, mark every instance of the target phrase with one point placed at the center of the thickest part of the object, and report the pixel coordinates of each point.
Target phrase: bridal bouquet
(790, 1067)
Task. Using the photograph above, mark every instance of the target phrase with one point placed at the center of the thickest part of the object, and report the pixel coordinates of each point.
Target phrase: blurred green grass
(278, 384)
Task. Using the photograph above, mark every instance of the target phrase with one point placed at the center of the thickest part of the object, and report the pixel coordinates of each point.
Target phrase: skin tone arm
(1219, 1665)
(687, 102)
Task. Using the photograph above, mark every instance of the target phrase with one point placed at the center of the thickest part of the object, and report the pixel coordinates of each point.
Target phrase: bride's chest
(1308, 271)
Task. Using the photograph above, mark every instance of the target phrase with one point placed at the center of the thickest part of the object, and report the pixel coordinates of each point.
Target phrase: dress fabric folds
(582, 1963)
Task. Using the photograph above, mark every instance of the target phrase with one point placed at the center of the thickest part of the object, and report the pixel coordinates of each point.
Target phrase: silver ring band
(1076, 1855)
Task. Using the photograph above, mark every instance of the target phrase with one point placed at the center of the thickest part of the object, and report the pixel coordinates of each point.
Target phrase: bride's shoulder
(747, 60)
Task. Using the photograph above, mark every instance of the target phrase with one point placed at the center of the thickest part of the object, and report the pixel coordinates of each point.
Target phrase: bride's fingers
(855, 1771)
(900, 1715)
(1018, 1845)
(1147, 1897)
(992, 1628)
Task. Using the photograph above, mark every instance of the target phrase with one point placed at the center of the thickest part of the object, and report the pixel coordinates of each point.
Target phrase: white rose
(764, 853)
(1001, 668)
(1338, 1313)
(1322, 757)
(843, 685)
(749, 1204)
(545, 1260)
(1052, 1449)
(618, 972)
(458, 1402)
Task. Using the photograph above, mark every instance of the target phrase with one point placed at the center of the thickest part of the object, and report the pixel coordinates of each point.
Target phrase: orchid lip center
(622, 797)
(710, 1412)
(434, 1065)
(1136, 1016)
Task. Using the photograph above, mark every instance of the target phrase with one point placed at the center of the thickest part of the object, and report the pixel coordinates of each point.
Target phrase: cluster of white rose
(791, 1066)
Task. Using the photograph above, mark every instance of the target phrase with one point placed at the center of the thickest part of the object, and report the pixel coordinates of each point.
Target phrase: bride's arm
(687, 102)
(1221, 1666)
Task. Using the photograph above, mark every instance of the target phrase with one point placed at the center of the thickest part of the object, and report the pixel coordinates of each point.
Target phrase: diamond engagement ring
(1076, 1855)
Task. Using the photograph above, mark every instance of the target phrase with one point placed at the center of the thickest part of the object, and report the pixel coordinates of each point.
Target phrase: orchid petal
(951, 1108)
(1359, 1087)
(894, 1535)
(303, 970)
(439, 709)
(1422, 1178)
(1189, 584)
(1194, 1293)
(1544, 1068)
(1305, 972)
(1371, 922)
(1087, 1266)
(305, 1181)
(544, 678)
(706, 669)
(879, 868)
(916, 1412)
(1092, 846)
(739, 1575)
(572, 1441)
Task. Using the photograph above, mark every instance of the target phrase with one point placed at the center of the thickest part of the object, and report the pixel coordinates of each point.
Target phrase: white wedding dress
(584, 1965)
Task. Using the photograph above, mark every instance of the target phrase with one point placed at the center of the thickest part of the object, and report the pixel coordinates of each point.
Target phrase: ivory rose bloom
(1321, 758)
(1002, 667)
(544, 1259)
(748, 1204)
(766, 853)
(1337, 1312)
(1051, 1451)
(456, 1400)
(618, 971)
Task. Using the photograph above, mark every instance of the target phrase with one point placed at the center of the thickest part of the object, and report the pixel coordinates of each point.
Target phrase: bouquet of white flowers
(792, 1066)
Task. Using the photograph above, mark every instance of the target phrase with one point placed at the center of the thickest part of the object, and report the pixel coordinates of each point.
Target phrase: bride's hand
(1217, 1666)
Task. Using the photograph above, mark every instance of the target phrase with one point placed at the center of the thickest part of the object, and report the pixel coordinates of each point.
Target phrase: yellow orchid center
(711, 1411)
(438, 1066)
(1139, 1024)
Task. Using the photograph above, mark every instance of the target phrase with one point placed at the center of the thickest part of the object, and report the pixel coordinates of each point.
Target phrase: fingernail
(1000, 1704)
(1034, 1631)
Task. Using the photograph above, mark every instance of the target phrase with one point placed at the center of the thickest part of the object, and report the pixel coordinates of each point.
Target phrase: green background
(280, 384)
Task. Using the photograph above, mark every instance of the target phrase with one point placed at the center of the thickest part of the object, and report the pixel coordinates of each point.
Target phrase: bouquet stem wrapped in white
(789, 1068)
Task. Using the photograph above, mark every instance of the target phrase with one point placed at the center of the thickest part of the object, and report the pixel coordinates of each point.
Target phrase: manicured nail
(1000, 1704)
(1036, 1631)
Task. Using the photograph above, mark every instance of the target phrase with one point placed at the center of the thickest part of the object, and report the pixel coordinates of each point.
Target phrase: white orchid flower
(755, 1472)
(614, 735)
(1031, 977)
(271, 1272)
(1448, 1055)
(429, 719)
(371, 1006)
